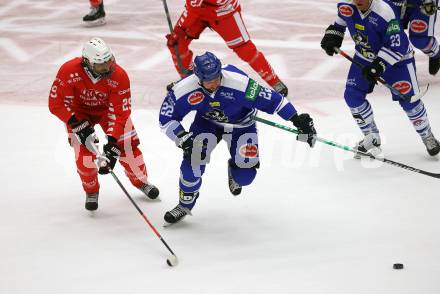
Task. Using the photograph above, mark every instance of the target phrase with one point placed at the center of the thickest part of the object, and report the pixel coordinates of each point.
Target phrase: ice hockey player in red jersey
(224, 17)
(91, 90)
(96, 16)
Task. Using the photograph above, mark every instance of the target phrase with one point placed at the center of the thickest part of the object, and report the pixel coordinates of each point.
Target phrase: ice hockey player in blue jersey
(225, 100)
(420, 16)
(383, 48)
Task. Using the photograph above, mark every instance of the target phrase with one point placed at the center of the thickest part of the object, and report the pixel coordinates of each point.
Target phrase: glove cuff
(181, 138)
(295, 119)
(80, 126)
(332, 30)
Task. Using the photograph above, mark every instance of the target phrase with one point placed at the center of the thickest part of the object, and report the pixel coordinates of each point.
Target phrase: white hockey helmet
(96, 51)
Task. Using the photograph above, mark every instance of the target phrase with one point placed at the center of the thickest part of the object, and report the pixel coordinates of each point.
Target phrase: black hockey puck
(397, 266)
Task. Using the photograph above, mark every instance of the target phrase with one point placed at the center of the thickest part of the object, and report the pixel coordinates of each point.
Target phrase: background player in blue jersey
(225, 100)
(420, 16)
(383, 48)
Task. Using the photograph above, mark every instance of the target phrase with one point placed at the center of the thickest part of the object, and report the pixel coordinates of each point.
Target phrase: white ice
(313, 221)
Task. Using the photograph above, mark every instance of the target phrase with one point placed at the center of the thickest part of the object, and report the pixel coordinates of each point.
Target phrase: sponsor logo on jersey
(403, 87)
(252, 90)
(419, 26)
(248, 151)
(227, 95)
(122, 92)
(346, 10)
(92, 97)
(359, 27)
(195, 98)
(372, 20)
(112, 83)
(393, 27)
(214, 104)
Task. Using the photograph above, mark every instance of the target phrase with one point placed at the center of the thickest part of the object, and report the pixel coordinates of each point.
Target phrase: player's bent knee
(244, 176)
(353, 97)
(246, 51)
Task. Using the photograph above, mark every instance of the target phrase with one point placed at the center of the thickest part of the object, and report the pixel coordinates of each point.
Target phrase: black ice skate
(176, 214)
(281, 88)
(92, 201)
(434, 65)
(149, 190)
(370, 145)
(432, 145)
(234, 187)
(95, 17)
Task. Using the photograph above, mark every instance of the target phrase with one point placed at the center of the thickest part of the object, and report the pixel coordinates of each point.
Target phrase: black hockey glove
(428, 7)
(333, 37)
(185, 141)
(307, 132)
(110, 156)
(374, 70)
(82, 129)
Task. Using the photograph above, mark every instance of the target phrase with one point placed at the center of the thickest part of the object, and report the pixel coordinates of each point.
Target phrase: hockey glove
(428, 7)
(332, 38)
(306, 129)
(374, 70)
(110, 156)
(83, 130)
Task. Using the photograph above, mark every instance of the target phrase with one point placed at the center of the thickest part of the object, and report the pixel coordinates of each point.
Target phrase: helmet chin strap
(89, 68)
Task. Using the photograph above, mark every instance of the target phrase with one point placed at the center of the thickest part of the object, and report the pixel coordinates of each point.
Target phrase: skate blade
(95, 23)
(375, 151)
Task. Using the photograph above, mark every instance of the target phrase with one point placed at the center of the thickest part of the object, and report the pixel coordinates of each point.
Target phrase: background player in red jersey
(224, 17)
(96, 16)
(95, 90)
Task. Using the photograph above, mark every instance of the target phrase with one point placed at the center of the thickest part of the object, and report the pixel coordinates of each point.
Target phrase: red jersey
(213, 8)
(76, 90)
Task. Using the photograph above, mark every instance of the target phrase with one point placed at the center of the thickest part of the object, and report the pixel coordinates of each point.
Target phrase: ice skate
(176, 214)
(370, 145)
(234, 187)
(96, 16)
(432, 145)
(434, 65)
(92, 201)
(151, 191)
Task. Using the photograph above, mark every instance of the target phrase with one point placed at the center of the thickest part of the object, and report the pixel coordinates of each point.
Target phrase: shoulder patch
(393, 27)
(252, 90)
(346, 10)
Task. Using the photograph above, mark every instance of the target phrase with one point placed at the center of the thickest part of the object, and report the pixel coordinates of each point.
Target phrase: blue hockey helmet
(207, 67)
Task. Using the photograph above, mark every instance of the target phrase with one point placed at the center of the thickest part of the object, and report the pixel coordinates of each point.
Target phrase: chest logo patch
(346, 10)
(418, 26)
(195, 98)
(403, 87)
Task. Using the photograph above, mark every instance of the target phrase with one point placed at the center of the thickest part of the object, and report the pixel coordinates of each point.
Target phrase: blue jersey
(233, 104)
(376, 32)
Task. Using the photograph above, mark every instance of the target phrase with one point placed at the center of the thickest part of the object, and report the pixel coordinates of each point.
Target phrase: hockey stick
(382, 81)
(346, 148)
(170, 25)
(172, 260)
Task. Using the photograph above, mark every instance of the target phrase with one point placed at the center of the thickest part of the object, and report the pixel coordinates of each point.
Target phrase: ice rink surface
(313, 221)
